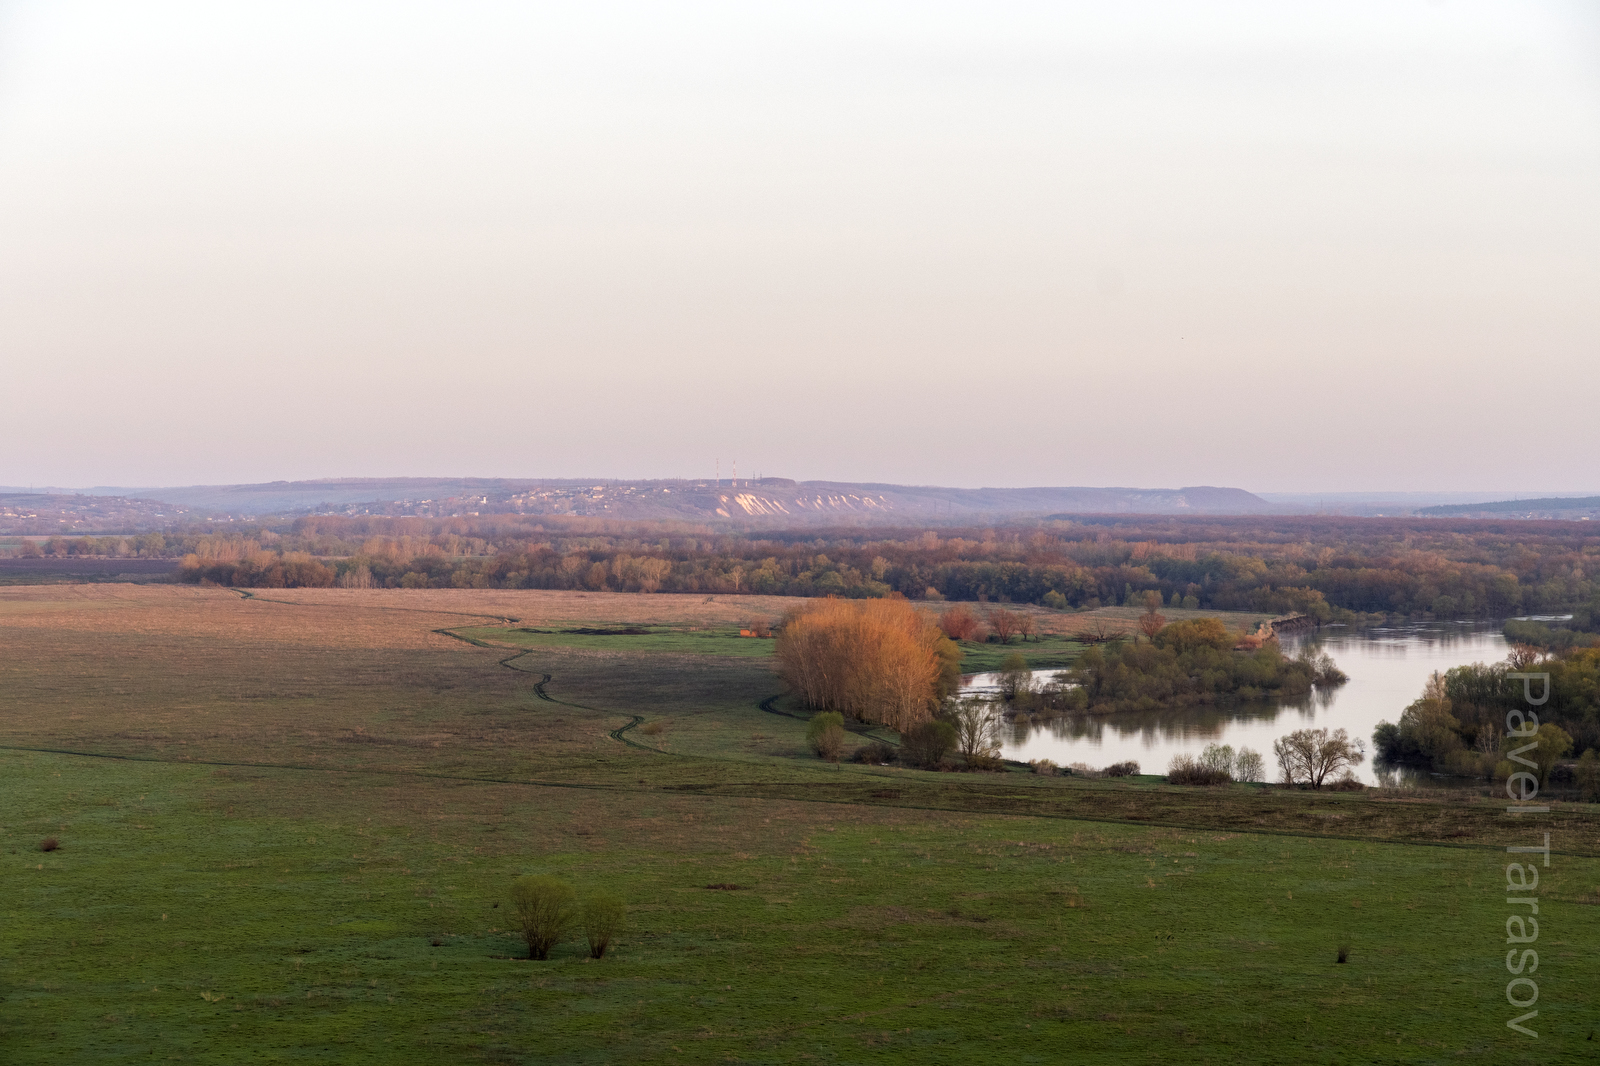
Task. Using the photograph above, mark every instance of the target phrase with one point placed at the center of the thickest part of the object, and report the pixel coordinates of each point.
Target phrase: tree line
(1332, 569)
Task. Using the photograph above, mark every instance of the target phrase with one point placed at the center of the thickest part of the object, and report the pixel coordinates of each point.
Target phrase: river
(1387, 666)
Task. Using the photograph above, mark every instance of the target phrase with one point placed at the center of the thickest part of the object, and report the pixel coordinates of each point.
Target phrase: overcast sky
(1285, 246)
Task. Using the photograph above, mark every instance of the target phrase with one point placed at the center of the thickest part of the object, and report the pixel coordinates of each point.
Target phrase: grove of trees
(880, 661)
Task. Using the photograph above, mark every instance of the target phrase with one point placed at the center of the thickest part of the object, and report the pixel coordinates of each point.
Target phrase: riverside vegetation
(1455, 726)
(285, 825)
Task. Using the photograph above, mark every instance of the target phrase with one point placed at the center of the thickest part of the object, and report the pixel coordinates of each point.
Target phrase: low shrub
(1186, 770)
(653, 729)
(927, 743)
(985, 763)
(1347, 783)
(1586, 775)
(1044, 767)
(49, 844)
(875, 754)
(1122, 769)
(825, 735)
(603, 916)
(546, 907)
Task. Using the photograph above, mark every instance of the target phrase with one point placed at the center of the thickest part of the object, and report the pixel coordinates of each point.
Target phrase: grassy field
(316, 802)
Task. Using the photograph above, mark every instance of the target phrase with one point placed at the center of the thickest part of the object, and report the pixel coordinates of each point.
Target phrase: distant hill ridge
(1544, 507)
(764, 498)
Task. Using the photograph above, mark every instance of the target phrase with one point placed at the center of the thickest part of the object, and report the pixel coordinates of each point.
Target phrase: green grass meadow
(180, 918)
(311, 874)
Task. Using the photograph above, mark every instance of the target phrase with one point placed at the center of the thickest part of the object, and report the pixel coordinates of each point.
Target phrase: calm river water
(1387, 666)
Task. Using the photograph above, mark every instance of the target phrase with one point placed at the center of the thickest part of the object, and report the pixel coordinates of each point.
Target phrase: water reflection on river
(1387, 668)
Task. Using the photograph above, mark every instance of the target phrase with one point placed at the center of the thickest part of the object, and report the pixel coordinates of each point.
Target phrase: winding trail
(546, 678)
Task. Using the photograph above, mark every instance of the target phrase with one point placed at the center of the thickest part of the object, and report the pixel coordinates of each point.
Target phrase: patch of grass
(1041, 654)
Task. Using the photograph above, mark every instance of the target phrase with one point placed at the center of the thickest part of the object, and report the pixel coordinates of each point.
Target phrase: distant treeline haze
(1320, 566)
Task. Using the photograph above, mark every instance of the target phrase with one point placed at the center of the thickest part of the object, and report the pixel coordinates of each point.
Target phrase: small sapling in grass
(1344, 952)
(49, 844)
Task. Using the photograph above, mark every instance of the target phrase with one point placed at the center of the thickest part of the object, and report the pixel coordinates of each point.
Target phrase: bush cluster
(547, 908)
(927, 745)
(1187, 770)
(875, 754)
(1218, 764)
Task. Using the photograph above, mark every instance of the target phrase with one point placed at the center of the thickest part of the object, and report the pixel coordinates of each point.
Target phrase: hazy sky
(1285, 246)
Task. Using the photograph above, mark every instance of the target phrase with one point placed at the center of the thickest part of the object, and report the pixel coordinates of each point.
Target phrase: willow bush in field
(877, 660)
(825, 735)
(545, 908)
(603, 916)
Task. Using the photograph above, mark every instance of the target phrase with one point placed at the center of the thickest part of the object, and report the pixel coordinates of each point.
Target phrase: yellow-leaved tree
(878, 660)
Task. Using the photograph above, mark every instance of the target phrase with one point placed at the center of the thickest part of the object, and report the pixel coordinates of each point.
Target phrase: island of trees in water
(1197, 661)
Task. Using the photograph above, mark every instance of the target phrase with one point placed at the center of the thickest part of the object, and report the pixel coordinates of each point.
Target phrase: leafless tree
(977, 725)
(1313, 755)
(1003, 623)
